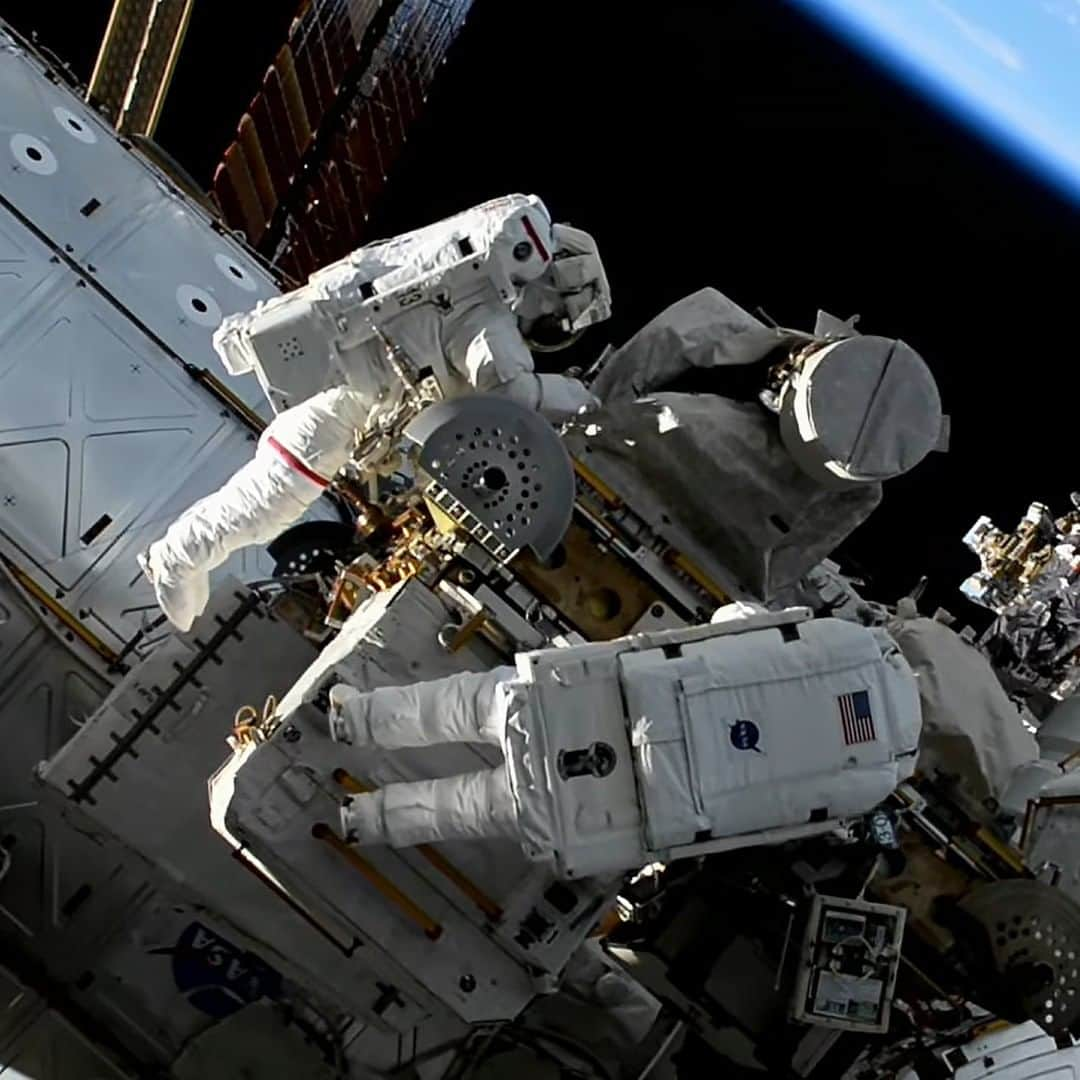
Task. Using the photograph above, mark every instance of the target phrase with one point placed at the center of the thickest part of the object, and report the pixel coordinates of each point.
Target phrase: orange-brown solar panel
(315, 149)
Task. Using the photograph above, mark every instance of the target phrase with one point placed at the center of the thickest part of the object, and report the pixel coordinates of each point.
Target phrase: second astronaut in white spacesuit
(459, 301)
(651, 747)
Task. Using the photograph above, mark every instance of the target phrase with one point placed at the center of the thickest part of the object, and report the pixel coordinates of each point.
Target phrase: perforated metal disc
(504, 463)
(1032, 923)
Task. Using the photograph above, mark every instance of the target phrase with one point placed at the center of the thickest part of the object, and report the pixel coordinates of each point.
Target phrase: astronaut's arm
(297, 456)
(486, 348)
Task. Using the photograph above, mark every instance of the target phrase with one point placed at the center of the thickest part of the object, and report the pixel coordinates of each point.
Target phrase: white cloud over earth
(986, 41)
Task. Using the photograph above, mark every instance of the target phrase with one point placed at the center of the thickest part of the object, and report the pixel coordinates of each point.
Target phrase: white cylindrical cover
(860, 409)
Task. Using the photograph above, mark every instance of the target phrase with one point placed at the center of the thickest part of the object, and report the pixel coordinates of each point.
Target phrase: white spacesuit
(353, 355)
(652, 747)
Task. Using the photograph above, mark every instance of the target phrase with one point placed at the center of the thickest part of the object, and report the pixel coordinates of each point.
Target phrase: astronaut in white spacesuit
(343, 358)
(652, 747)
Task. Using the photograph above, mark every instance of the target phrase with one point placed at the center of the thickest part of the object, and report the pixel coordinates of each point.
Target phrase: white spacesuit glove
(562, 397)
(592, 975)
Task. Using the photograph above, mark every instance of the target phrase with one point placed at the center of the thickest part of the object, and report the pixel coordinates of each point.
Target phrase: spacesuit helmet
(555, 309)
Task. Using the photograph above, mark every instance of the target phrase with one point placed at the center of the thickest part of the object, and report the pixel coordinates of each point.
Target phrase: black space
(736, 145)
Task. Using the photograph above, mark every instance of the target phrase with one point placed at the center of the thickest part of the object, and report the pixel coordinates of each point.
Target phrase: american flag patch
(856, 718)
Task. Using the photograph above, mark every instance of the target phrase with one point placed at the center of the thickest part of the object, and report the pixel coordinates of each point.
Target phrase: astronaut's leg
(473, 806)
(300, 450)
(470, 707)
(254, 506)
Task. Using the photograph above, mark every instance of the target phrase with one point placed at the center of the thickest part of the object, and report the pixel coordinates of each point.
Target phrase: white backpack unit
(408, 293)
(662, 746)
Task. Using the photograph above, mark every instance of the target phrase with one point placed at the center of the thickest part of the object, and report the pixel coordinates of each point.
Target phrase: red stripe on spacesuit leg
(293, 461)
(534, 236)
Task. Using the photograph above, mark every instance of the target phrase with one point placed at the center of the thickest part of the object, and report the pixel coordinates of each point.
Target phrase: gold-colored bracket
(610, 498)
(409, 908)
(466, 633)
(82, 632)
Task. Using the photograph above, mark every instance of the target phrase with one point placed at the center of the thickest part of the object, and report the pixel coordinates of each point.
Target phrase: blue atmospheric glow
(1008, 68)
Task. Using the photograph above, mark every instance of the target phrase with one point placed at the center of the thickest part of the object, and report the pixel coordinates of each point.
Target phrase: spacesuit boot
(180, 599)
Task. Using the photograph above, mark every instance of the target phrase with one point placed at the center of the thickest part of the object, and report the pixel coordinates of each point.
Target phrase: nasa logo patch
(745, 735)
(215, 976)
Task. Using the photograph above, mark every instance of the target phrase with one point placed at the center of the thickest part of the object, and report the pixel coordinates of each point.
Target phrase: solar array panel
(314, 150)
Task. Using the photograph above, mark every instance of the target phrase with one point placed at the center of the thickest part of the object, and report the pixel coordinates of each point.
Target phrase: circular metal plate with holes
(1033, 926)
(312, 547)
(504, 463)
